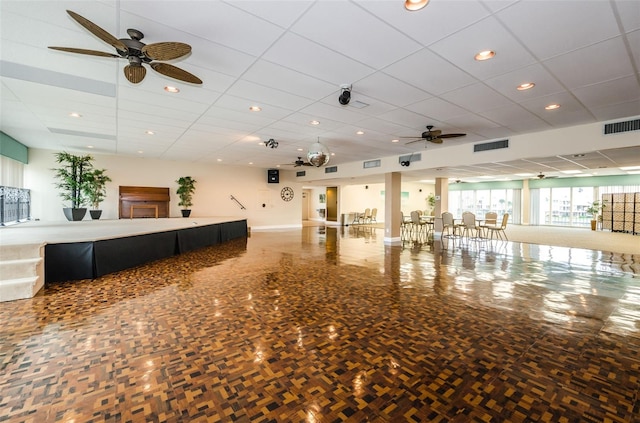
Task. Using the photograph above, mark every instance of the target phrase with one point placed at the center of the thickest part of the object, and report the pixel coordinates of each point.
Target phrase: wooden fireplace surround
(138, 202)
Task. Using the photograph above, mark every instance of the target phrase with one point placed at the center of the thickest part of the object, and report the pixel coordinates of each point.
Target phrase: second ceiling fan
(137, 53)
(433, 135)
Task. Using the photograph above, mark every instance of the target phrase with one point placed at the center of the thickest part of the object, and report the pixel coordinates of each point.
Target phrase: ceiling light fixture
(526, 86)
(485, 55)
(255, 108)
(413, 5)
(75, 115)
(360, 133)
(171, 89)
(314, 122)
(395, 140)
(552, 107)
(345, 94)
(149, 132)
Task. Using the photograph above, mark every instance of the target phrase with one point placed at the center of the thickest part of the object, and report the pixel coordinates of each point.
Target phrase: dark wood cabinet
(137, 202)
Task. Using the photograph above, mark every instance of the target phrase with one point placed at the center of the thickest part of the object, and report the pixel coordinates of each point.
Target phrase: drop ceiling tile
(506, 84)
(565, 67)
(488, 34)
(622, 90)
(510, 115)
(429, 72)
(315, 60)
(543, 29)
(377, 46)
(394, 91)
(629, 12)
(477, 98)
(437, 108)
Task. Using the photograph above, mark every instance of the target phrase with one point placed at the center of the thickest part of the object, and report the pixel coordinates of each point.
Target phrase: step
(21, 268)
(20, 288)
(21, 251)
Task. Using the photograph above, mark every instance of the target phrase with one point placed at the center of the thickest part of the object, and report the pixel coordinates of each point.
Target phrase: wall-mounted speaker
(273, 176)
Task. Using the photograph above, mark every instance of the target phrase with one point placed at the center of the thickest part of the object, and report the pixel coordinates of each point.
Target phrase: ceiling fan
(299, 163)
(543, 176)
(435, 136)
(137, 52)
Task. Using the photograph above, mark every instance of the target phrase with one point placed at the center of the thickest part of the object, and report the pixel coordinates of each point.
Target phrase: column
(392, 211)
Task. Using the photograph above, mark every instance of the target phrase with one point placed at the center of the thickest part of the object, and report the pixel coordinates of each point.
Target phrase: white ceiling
(409, 69)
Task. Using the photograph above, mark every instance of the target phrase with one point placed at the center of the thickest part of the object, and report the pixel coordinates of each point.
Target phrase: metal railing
(15, 205)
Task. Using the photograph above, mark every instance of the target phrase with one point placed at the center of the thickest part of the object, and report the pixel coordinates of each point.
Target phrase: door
(305, 204)
(332, 204)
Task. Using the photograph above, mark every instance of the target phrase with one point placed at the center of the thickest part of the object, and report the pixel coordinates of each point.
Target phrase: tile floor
(327, 324)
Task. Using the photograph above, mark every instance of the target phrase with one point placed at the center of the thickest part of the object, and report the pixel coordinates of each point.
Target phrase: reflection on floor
(328, 324)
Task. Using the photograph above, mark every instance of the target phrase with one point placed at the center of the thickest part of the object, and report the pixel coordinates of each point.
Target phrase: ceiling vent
(371, 163)
(626, 126)
(494, 145)
(415, 157)
(331, 169)
(301, 173)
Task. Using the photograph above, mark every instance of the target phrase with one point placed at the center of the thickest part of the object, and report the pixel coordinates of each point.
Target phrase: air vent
(626, 126)
(301, 173)
(331, 169)
(494, 145)
(415, 157)
(371, 163)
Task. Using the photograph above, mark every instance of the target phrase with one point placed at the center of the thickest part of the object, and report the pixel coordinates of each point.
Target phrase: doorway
(332, 204)
(306, 194)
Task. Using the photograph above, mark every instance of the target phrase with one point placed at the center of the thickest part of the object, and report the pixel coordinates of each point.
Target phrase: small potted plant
(72, 181)
(96, 190)
(431, 202)
(186, 188)
(594, 210)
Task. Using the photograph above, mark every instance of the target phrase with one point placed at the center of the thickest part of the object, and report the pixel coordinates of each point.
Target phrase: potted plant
(96, 190)
(431, 202)
(186, 188)
(594, 210)
(72, 180)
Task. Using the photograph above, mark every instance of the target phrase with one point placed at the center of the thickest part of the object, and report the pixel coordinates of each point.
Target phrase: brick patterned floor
(328, 324)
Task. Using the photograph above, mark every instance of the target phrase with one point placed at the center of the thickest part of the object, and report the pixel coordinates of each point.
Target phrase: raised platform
(92, 248)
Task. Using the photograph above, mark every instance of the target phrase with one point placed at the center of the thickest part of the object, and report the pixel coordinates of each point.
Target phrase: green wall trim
(486, 185)
(590, 181)
(13, 149)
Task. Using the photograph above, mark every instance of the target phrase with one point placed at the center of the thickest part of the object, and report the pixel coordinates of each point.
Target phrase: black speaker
(273, 176)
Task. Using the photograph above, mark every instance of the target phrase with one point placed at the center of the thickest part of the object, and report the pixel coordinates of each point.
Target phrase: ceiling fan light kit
(137, 53)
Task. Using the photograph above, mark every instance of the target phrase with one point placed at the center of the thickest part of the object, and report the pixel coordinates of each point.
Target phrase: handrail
(239, 203)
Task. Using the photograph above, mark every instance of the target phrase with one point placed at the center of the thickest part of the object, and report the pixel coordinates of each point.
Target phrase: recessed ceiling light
(413, 5)
(260, 143)
(634, 172)
(250, 163)
(255, 108)
(360, 133)
(75, 115)
(333, 154)
(89, 146)
(171, 89)
(314, 122)
(526, 86)
(140, 151)
(630, 168)
(552, 107)
(395, 140)
(485, 55)
(577, 156)
(149, 132)
(570, 172)
(219, 160)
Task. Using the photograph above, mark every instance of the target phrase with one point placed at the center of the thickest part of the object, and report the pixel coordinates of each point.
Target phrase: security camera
(271, 143)
(345, 94)
(405, 163)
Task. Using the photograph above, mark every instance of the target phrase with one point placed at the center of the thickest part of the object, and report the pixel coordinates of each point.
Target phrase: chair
(471, 229)
(362, 218)
(418, 227)
(374, 213)
(490, 219)
(499, 229)
(448, 225)
(405, 226)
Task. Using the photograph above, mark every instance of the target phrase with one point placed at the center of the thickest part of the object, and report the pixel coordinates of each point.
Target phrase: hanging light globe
(318, 154)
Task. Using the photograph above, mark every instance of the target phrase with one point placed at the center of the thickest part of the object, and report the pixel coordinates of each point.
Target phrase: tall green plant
(72, 177)
(186, 188)
(96, 188)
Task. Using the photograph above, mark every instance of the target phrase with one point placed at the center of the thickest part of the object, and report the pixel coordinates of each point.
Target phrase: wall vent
(371, 163)
(331, 169)
(494, 145)
(301, 173)
(626, 126)
(415, 157)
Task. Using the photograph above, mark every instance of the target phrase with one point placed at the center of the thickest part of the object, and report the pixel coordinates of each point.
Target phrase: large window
(563, 206)
(480, 202)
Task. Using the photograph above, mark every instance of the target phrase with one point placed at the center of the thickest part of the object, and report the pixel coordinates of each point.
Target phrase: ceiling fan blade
(452, 135)
(435, 133)
(418, 140)
(83, 51)
(175, 72)
(436, 140)
(135, 74)
(99, 32)
(166, 51)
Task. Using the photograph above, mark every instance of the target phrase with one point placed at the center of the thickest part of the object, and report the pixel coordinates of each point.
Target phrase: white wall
(215, 184)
